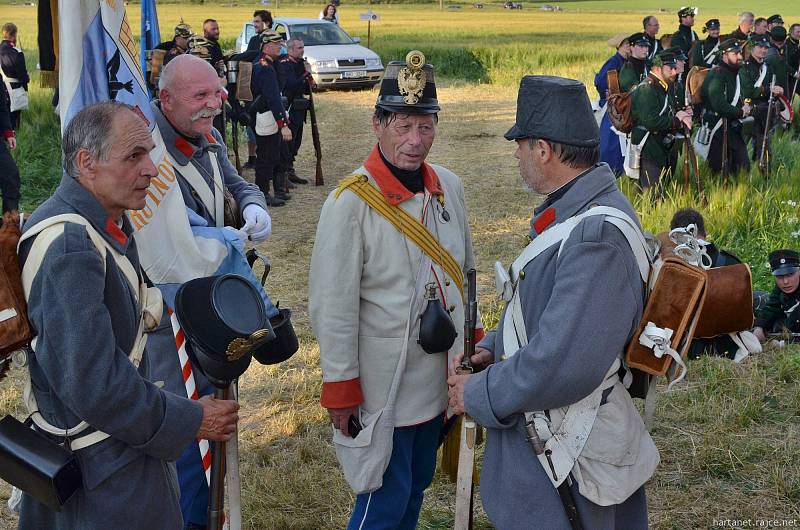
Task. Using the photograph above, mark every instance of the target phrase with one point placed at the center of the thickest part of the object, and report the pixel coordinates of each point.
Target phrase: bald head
(190, 95)
(183, 68)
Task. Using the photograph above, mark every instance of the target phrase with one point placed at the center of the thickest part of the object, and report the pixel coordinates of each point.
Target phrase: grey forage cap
(555, 109)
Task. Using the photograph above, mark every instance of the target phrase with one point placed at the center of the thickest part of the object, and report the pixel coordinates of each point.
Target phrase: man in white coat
(385, 294)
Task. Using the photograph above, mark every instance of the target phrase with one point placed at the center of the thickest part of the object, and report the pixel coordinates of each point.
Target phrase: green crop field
(728, 436)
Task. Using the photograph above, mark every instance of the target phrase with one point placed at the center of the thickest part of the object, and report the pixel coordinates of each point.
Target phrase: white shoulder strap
(47, 232)
(213, 200)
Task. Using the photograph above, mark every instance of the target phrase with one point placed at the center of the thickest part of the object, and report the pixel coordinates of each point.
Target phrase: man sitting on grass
(781, 313)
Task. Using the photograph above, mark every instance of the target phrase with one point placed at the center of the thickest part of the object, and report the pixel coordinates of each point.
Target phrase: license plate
(354, 74)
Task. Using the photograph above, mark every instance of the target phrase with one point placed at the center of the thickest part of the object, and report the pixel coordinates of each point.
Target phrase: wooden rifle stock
(318, 178)
(465, 487)
(763, 157)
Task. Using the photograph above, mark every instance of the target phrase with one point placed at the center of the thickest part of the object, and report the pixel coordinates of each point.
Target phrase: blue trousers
(397, 503)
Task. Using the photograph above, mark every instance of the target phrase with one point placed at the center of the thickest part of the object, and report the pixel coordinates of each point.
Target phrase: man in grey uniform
(189, 98)
(86, 314)
(580, 303)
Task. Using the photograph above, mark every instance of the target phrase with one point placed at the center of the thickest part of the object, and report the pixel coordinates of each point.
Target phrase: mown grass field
(728, 437)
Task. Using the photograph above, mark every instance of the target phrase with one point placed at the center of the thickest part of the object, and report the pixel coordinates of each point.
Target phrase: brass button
(447, 283)
(452, 308)
(521, 275)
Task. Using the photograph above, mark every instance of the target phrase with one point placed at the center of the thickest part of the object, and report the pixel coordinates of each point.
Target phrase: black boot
(279, 182)
(294, 178)
(251, 162)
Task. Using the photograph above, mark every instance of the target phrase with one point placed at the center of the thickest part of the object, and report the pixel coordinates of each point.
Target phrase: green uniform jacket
(632, 73)
(701, 50)
(683, 38)
(677, 91)
(717, 93)
(749, 74)
(650, 115)
(782, 311)
(792, 54)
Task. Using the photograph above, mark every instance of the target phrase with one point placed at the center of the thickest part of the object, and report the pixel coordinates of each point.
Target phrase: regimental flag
(97, 58)
(150, 34)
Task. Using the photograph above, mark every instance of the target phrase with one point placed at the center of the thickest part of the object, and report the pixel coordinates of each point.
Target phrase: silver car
(336, 58)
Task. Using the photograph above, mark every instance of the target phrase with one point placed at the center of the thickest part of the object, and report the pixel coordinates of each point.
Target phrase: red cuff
(341, 394)
(479, 334)
(8, 133)
(281, 123)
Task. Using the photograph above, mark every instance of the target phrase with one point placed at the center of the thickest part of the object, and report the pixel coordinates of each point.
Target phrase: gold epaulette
(349, 181)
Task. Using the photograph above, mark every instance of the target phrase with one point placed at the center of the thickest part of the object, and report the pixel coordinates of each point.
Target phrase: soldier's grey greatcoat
(86, 320)
(580, 309)
(166, 365)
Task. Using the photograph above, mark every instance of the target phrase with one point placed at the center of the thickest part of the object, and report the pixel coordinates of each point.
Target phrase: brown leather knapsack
(618, 106)
(15, 330)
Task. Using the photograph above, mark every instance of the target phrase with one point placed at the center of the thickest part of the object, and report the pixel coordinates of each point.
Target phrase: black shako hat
(730, 45)
(224, 319)
(688, 11)
(556, 109)
(784, 261)
(775, 19)
(758, 40)
(408, 86)
(778, 34)
(639, 39)
(712, 23)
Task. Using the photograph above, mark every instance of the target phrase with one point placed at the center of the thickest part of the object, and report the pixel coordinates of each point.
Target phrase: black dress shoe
(282, 195)
(297, 180)
(273, 201)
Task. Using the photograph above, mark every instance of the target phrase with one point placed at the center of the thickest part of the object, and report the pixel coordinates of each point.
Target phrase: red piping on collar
(391, 188)
(115, 232)
(184, 147)
(543, 220)
(210, 138)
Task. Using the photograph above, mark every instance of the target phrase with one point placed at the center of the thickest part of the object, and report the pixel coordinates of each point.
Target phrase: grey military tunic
(86, 320)
(580, 309)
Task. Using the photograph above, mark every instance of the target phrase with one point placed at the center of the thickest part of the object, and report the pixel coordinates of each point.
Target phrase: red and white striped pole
(191, 387)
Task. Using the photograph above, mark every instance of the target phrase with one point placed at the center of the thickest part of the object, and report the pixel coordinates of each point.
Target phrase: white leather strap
(658, 339)
(149, 300)
(711, 54)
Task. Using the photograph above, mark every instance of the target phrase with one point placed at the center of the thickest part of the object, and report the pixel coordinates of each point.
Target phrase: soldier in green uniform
(635, 68)
(705, 52)
(685, 36)
(722, 99)
(777, 54)
(656, 120)
(756, 77)
(678, 87)
(782, 310)
(651, 27)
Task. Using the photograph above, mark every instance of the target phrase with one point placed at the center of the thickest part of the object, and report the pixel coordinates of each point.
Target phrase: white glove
(257, 223)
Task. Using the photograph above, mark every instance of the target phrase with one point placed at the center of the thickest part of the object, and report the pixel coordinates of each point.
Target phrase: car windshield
(321, 33)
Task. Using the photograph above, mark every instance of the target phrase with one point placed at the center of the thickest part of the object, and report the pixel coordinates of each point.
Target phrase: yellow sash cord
(406, 224)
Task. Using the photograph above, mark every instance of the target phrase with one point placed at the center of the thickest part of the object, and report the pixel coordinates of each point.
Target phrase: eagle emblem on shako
(412, 78)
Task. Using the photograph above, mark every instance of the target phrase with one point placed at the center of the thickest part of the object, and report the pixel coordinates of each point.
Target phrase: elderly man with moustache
(189, 99)
(89, 306)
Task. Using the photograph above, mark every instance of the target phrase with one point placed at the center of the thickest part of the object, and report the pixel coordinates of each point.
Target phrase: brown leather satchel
(618, 105)
(728, 305)
(232, 215)
(15, 331)
(675, 303)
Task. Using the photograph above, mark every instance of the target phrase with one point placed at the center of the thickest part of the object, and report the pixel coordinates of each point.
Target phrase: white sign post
(370, 17)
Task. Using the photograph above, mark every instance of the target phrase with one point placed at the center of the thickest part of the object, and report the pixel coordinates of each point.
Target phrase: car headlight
(319, 65)
(374, 62)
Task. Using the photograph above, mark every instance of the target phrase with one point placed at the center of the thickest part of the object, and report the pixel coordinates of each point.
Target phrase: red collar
(115, 232)
(543, 220)
(391, 188)
(184, 147)
(210, 138)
